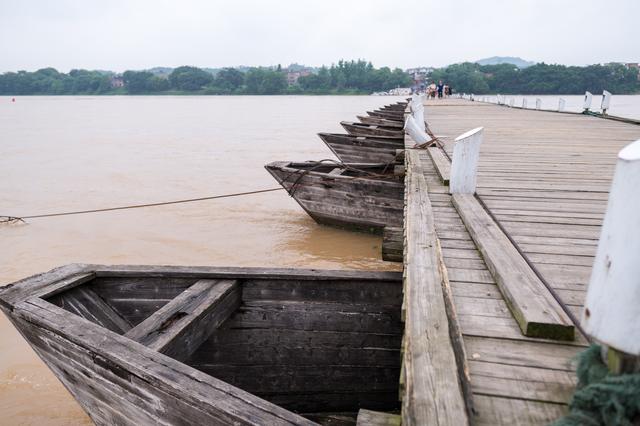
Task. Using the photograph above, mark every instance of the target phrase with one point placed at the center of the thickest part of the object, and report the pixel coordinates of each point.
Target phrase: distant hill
(495, 60)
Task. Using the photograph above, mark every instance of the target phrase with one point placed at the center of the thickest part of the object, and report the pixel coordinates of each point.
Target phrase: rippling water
(70, 153)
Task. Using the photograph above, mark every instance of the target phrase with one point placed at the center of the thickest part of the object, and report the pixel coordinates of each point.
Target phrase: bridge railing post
(538, 103)
(464, 164)
(606, 101)
(612, 309)
(417, 112)
(588, 97)
(561, 104)
(413, 129)
(524, 103)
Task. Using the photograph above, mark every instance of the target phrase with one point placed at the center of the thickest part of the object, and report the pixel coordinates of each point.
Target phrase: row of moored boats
(364, 189)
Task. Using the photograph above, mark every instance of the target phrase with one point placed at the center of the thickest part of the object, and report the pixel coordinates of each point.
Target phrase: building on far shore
(116, 81)
(293, 76)
(420, 77)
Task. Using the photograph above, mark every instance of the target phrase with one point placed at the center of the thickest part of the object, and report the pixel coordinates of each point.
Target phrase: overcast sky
(137, 34)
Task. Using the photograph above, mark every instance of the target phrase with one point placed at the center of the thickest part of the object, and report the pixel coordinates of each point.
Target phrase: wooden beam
(433, 393)
(443, 166)
(392, 244)
(377, 418)
(538, 314)
(86, 303)
(179, 327)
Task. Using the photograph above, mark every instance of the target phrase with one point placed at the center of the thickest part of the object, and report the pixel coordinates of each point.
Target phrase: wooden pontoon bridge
(482, 327)
(495, 283)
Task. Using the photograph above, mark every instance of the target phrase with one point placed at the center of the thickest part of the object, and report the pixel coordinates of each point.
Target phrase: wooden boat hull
(361, 129)
(386, 115)
(308, 341)
(343, 200)
(360, 149)
(376, 121)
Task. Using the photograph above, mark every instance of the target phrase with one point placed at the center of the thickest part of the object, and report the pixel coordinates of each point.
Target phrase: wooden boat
(360, 149)
(361, 129)
(378, 121)
(142, 345)
(387, 115)
(400, 106)
(364, 197)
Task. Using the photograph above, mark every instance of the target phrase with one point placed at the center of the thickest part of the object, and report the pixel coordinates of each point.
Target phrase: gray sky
(136, 34)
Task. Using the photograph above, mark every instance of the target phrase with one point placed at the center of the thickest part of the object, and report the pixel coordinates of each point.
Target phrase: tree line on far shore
(538, 79)
(345, 77)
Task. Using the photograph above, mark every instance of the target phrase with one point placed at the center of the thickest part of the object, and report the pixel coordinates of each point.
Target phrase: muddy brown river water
(75, 153)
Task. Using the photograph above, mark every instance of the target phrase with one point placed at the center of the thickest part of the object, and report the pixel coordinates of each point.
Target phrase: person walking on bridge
(440, 88)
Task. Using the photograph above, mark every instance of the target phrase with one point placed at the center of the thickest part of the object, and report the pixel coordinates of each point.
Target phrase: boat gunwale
(49, 279)
(287, 167)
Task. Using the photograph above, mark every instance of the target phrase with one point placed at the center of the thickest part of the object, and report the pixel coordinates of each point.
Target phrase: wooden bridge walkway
(545, 178)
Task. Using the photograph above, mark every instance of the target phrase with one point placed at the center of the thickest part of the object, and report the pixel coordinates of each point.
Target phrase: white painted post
(524, 103)
(606, 101)
(538, 103)
(417, 111)
(588, 97)
(561, 104)
(472, 98)
(464, 165)
(499, 99)
(414, 130)
(511, 102)
(612, 308)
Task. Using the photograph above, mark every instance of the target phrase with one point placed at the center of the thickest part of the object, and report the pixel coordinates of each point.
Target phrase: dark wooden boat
(364, 197)
(143, 345)
(378, 121)
(360, 149)
(388, 115)
(361, 129)
(400, 106)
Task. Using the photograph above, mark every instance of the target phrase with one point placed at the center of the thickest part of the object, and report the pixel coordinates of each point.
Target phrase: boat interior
(323, 348)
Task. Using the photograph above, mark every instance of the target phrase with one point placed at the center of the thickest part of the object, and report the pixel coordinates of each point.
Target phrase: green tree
(189, 78)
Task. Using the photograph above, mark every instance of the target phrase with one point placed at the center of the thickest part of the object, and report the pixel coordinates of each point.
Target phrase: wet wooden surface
(545, 177)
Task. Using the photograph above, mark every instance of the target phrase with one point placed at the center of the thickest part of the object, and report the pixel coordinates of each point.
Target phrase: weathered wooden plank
(179, 327)
(496, 411)
(533, 307)
(166, 385)
(376, 418)
(40, 284)
(392, 244)
(83, 301)
(433, 393)
(441, 163)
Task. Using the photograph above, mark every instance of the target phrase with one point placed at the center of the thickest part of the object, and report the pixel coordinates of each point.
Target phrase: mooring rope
(14, 218)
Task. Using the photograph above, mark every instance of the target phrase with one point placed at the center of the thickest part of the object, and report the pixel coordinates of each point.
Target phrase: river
(75, 153)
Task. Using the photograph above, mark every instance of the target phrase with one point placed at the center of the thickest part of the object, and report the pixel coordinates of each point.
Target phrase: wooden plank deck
(545, 177)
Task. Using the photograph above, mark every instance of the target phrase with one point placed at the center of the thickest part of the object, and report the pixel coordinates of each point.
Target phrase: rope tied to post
(12, 218)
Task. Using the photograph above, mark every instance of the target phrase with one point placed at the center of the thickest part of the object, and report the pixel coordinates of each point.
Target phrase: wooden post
(464, 165)
(524, 103)
(588, 97)
(606, 101)
(561, 104)
(414, 130)
(538, 103)
(612, 309)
